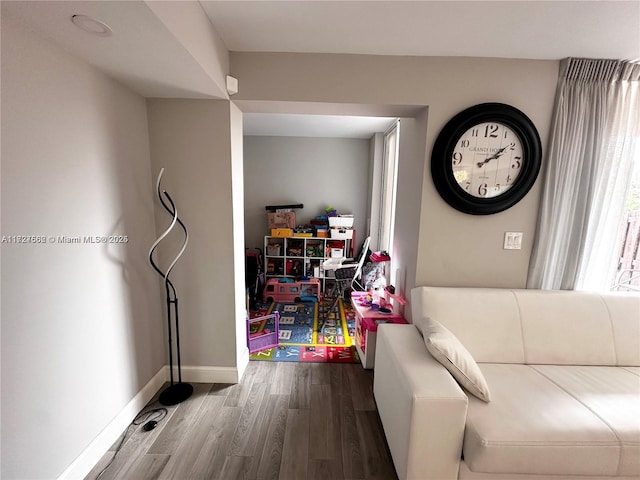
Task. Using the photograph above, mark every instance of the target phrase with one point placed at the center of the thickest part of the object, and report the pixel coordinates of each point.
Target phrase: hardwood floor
(283, 421)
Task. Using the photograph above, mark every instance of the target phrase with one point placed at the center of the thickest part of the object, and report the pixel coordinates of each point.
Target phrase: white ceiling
(145, 54)
(507, 29)
(142, 53)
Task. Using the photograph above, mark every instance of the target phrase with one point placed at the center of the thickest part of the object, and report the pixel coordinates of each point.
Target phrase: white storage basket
(343, 221)
(341, 233)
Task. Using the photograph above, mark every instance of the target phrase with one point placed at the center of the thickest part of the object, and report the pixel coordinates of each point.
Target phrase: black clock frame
(445, 144)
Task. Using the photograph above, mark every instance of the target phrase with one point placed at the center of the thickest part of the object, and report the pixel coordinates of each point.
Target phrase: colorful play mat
(307, 334)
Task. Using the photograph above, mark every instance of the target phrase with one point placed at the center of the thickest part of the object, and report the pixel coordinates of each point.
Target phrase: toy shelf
(293, 257)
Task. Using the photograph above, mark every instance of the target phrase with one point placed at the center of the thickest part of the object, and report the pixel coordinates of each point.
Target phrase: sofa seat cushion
(536, 425)
(634, 370)
(611, 393)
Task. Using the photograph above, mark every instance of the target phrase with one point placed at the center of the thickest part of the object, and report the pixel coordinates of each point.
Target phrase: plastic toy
(265, 338)
(288, 290)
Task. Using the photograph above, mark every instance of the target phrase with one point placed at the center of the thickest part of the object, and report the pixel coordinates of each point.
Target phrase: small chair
(347, 273)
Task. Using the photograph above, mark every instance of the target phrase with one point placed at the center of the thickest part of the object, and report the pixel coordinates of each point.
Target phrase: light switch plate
(512, 240)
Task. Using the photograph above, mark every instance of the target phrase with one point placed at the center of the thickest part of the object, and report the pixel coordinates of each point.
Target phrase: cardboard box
(281, 220)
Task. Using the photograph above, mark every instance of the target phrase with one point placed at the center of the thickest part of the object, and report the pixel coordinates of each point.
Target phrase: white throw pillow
(447, 349)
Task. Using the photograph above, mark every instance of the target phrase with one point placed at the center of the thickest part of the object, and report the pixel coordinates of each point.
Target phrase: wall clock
(486, 158)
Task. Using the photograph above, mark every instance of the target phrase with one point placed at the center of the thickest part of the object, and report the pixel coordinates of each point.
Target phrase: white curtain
(593, 146)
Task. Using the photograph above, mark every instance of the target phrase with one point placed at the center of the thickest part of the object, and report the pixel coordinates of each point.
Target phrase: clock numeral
(516, 164)
(482, 189)
(464, 143)
(506, 133)
(457, 158)
(474, 132)
(509, 178)
(512, 146)
(490, 131)
(467, 185)
(497, 187)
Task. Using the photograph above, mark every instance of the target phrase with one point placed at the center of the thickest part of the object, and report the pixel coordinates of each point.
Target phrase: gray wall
(316, 172)
(444, 246)
(81, 326)
(192, 140)
(81, 323)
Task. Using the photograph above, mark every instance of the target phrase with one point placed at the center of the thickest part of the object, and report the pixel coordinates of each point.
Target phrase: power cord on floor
(150, 418)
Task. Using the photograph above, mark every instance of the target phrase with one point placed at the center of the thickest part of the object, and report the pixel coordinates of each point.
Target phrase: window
(388, 188)
(627, 275)
(594, 145)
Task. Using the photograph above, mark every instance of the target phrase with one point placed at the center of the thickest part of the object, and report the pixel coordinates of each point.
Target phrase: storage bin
(341, 233)
(342, 221)
(294, 267)
(281, 232)
(337, 252)
(273, 250)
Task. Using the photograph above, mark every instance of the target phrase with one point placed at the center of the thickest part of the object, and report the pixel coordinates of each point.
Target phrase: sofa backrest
(536, 326)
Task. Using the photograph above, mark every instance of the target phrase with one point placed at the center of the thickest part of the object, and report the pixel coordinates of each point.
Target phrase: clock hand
(495, 155)
(487, 160)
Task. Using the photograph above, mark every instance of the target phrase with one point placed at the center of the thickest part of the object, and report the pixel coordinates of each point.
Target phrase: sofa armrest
(422, 408)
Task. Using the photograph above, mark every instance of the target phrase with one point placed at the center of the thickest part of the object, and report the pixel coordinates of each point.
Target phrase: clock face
(487, 159)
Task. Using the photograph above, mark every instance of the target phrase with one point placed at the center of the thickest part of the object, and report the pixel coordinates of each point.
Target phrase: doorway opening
(323, 166)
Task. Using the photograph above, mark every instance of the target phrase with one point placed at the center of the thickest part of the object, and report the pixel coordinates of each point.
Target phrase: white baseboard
(243, 362)
(101, 444)
(208, 374)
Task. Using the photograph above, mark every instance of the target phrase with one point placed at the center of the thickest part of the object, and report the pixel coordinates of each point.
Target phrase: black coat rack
(177, 391)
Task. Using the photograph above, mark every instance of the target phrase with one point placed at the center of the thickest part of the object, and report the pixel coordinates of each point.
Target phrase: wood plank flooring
(283, 421)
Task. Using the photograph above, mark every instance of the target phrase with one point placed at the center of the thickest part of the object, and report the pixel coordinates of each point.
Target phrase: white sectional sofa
(562, 370)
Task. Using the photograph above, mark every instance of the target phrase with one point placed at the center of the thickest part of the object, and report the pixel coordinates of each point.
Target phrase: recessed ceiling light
(91, 25)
